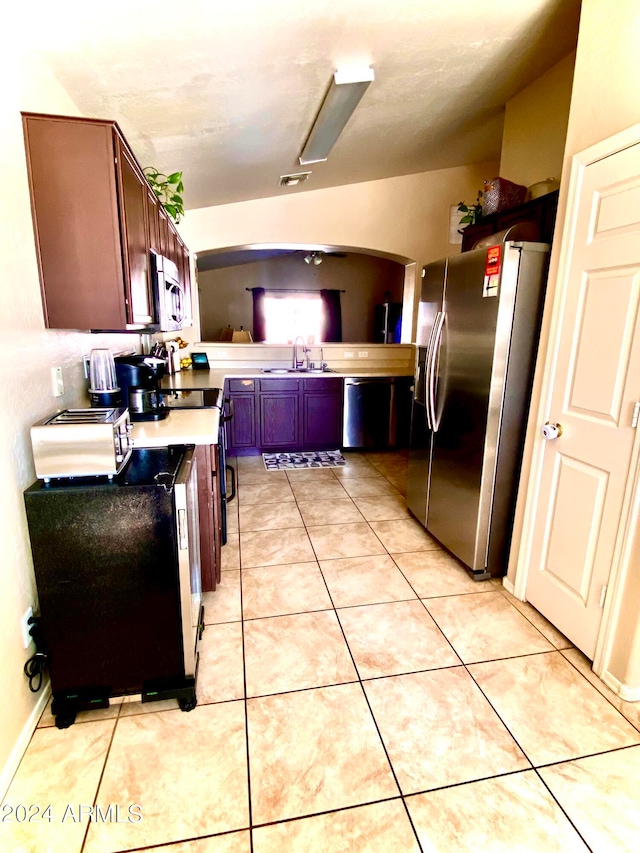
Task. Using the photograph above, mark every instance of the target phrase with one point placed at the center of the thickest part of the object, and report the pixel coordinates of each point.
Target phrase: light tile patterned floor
(358, 693)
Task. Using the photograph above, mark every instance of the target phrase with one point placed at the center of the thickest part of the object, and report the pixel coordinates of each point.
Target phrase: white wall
(406, 217)
(28, 353)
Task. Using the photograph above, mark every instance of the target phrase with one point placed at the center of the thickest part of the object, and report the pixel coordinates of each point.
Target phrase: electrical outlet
(221, 353)
(27, 639)
(57, 381)
(363, 353)
(348, 354)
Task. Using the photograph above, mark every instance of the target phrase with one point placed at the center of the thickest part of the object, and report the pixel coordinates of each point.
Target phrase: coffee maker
(139, 379)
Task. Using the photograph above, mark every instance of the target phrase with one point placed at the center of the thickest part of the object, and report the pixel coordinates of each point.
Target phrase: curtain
(332, 332)
(259, 319)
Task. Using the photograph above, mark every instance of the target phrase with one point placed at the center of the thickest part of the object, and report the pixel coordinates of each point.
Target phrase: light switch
(57, 381)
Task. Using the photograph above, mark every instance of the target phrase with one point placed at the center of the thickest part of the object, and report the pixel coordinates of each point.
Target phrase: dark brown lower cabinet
(285, 414)
(241, 429)
(322, 414)
(209, 507)
(279, 414)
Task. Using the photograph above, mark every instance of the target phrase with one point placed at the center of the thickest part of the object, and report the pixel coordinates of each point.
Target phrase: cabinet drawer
(240, 385)
(267, 386)
(323, 384)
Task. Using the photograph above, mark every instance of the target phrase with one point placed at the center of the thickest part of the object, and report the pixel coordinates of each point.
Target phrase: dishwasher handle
(380, 380)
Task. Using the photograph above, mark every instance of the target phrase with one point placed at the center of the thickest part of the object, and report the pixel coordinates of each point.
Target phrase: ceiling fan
(316, 258)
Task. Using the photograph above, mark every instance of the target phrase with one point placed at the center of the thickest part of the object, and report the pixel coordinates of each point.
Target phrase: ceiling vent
(293, 180)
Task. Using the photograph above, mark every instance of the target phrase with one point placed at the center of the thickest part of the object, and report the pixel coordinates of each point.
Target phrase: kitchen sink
(297, 370)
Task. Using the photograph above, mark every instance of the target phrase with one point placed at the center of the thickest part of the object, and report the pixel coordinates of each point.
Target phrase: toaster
(82, 443)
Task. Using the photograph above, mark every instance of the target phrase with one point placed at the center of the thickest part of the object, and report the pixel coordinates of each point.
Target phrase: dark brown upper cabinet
(95, 219)
(541, 211)
(136, 240)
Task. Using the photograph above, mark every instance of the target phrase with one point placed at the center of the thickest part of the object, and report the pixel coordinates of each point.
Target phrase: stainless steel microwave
(168, 293)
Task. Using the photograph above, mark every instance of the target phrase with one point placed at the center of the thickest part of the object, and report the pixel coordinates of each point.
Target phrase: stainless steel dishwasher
(374, 411)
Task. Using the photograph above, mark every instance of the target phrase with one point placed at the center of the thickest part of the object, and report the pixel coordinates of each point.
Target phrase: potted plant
(472, 212)
(167, 189)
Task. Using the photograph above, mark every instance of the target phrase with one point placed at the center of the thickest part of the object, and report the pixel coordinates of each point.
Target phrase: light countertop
(182, 426)
(214, 377)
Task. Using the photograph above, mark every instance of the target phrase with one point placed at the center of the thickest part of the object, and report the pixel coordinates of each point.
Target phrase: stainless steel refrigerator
(478, 329)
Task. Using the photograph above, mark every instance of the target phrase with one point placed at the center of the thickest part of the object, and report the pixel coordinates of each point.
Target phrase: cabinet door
(133, 205)
(153, 222)
(279, 420)
(322, 420)
(172, 251)
(74, 201)
(185, 280)
(243, 423)
(163, 230)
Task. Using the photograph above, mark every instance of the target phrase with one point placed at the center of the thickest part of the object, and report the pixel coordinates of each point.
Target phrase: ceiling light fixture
(346, 89)
(314, 258)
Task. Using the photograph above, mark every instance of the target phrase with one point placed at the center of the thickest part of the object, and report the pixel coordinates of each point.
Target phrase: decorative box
(500, 194)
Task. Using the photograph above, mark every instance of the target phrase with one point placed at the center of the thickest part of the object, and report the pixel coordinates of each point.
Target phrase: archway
(285, 261)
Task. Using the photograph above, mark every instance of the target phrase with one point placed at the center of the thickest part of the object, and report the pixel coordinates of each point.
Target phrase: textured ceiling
(227, 91)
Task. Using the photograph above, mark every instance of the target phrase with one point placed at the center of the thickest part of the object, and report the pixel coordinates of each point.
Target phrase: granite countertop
(182, 426)
(214, 377)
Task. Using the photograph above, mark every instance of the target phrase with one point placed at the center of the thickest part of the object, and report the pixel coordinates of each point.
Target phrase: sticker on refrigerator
(492, 271)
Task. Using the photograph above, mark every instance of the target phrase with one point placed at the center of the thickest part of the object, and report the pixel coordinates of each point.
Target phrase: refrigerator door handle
(431, 370)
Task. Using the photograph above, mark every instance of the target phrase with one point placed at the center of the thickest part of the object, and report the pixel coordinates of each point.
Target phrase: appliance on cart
(117, 566)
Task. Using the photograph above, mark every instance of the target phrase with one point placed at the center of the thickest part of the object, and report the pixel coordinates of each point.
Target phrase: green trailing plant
(472, 212)
(167, 188)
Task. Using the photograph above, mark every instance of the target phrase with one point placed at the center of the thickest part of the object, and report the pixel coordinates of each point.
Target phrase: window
(288, 315)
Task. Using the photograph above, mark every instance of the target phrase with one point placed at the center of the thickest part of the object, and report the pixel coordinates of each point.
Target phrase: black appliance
(139, 380)
(117, 566)
(210, 398)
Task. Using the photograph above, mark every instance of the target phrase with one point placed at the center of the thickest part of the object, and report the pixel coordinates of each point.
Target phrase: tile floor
(358, 693)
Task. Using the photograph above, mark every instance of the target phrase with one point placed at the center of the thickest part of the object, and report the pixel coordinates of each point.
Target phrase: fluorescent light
(346, 89)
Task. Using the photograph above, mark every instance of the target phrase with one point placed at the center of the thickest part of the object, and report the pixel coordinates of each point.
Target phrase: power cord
(35, 666)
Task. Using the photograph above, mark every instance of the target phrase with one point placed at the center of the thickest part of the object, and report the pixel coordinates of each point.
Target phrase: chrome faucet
(297, 363)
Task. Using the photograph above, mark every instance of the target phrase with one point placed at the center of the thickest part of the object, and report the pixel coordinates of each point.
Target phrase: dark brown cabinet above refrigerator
(95, 219)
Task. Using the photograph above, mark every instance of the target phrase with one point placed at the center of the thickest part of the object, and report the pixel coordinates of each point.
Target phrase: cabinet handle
(232, 472)
(226, 418)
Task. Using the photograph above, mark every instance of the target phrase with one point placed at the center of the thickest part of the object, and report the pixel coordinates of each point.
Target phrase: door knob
(551, 431)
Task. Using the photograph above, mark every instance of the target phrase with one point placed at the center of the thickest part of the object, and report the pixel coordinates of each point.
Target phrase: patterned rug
(306, 459)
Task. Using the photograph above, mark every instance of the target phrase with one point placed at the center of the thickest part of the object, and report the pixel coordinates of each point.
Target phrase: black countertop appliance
(117, 566)
(139, 380)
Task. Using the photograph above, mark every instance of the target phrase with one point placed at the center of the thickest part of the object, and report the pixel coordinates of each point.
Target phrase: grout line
(360, 681)
(244, 681)
(562, 809)
(375, 722)
(636, 727)
(167, 845)
(102, 772)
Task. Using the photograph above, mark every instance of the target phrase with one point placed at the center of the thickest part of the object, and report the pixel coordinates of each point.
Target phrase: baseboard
(629, 694)
(626, 693)
(508, 585)
(9, 769)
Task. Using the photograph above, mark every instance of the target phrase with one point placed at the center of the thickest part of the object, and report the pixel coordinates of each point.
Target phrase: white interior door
(595, 387)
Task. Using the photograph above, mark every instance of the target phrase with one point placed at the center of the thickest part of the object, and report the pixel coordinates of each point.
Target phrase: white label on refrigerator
(490, 286)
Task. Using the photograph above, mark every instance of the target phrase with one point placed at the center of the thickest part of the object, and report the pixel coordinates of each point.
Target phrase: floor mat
(306, 459)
